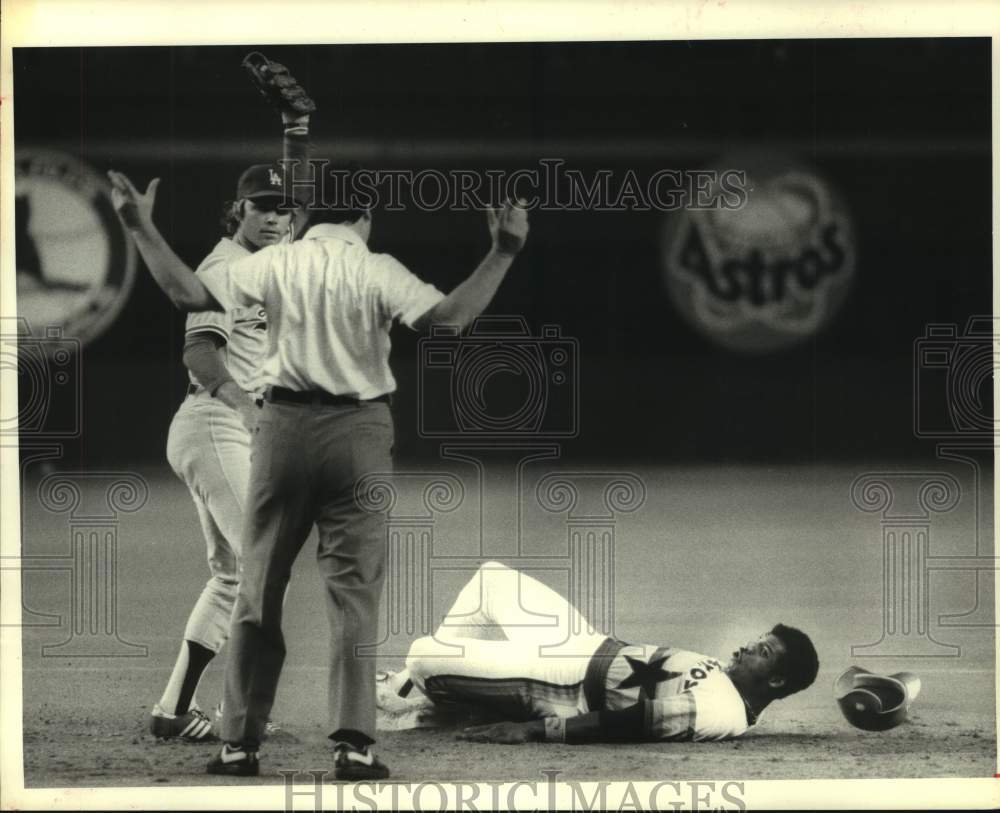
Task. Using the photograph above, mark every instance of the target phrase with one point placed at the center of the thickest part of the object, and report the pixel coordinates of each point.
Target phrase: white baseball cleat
(191, 726)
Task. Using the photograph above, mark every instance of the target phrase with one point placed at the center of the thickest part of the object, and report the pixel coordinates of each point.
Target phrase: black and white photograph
(482, 418)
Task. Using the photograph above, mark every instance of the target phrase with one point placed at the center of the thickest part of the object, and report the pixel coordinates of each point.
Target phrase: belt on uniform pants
(283, 395)
(594, 681)
(194, 389)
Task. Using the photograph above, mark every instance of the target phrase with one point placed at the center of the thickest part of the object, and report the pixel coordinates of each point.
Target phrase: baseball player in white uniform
(324, 425)
(208, 445)
(556, 680)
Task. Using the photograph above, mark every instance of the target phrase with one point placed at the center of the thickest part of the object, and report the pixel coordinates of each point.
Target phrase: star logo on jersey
(647, 675)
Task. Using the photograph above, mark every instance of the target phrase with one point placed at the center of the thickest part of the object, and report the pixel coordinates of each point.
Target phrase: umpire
(324, 423)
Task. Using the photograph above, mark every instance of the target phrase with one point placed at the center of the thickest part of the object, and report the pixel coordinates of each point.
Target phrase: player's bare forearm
(295, 144)
(617, 725)
(232, 395)
(470, 298)
(295, 158)
(204, 357)
(175, 278)
(509, 230)
(506, 733)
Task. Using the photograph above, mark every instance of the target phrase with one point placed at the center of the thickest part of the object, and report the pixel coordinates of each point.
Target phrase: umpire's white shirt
(330, 303)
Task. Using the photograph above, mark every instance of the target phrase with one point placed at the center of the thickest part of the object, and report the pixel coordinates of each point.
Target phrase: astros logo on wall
(75, 262)
(767, 275)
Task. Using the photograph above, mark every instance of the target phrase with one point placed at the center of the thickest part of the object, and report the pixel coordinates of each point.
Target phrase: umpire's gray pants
(306, 460)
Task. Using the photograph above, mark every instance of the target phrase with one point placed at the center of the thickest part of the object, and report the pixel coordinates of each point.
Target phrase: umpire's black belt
(319, 397)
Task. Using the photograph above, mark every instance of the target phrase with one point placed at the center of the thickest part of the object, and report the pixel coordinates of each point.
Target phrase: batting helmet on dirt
(875, 702)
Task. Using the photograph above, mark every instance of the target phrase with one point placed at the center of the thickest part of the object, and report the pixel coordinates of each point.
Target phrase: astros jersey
(244, 329)
(330, 304)
(691, 697)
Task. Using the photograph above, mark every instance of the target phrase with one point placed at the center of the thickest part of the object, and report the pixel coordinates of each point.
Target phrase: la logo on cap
(274, 177)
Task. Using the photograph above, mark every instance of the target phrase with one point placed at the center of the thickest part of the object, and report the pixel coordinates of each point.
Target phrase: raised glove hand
(135, 208)
(508, 227)
(278, 86)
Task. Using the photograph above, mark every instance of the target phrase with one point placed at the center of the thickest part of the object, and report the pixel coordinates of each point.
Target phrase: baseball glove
(277, 85)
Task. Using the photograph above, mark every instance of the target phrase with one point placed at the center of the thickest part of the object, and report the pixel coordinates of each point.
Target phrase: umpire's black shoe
(354, 765)
(233, 760)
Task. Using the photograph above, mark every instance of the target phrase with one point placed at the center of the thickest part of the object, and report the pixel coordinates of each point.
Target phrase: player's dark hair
(800, 663)
(342, 196)
(232, 214)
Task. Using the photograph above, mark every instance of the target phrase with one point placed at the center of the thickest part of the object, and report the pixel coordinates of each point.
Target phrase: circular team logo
(766, 274)
(75, 261)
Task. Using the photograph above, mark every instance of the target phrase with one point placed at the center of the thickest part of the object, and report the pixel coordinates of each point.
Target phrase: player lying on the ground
(208, 445)
(556, 680)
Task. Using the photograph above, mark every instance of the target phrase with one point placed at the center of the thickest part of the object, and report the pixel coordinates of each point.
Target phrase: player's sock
(198, 659)
(190, 665)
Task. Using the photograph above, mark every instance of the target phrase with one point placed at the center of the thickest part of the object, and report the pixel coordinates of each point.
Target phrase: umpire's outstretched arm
(171, 273)
(509, 230)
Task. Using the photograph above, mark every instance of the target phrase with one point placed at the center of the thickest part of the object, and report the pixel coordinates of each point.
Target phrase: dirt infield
(711, 558)
(95, 736)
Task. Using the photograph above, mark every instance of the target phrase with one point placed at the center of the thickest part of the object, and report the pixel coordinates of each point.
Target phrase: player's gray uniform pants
(209, 449)
(306, 461)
